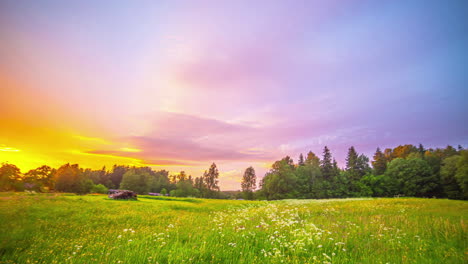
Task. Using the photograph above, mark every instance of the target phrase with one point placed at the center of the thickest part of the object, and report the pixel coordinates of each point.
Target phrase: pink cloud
(190, 140)
(185, 126)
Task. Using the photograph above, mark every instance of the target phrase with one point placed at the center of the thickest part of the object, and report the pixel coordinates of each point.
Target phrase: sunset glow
(178, 85)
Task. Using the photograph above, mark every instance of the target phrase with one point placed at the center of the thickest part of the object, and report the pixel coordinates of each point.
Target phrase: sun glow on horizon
(134, 150)
(9, 149)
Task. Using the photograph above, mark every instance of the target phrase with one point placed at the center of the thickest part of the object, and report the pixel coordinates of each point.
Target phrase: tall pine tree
(351, 160)
(326, 164)
(379, 163)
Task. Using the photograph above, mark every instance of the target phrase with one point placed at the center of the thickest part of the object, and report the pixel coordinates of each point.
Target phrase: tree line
(142, 180)
(405, 170)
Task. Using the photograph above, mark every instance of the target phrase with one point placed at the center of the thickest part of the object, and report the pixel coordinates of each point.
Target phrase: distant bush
(99, 188)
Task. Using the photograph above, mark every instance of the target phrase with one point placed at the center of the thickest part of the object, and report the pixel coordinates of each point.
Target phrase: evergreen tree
(379, 163)
(336, 170)
(351, 160)
(356, 167)
(326, 164)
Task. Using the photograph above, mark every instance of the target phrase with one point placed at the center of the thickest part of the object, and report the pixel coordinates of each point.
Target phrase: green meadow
(60, 228)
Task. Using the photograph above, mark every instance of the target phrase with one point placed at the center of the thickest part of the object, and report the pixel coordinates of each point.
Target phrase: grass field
(49, 228)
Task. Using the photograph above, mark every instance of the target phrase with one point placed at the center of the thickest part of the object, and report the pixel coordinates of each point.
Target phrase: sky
(177, 85)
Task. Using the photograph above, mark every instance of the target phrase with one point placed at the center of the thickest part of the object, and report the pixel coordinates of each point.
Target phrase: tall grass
(95, 229)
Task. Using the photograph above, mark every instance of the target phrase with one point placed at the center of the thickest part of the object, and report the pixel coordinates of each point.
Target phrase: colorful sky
(179, 84)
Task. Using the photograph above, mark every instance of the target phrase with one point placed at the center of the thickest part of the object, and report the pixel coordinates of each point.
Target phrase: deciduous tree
(249, 182)
(10, 177)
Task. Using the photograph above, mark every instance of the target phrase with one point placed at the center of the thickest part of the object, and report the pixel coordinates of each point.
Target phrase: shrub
(99, 188)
